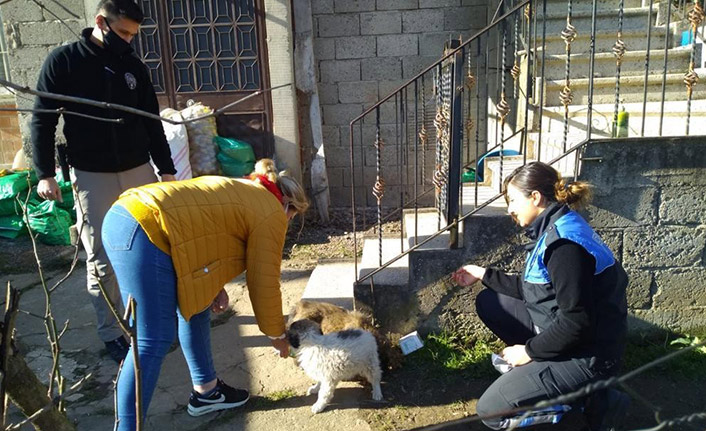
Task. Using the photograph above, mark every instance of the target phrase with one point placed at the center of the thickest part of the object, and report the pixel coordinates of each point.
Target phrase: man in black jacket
(107, 157)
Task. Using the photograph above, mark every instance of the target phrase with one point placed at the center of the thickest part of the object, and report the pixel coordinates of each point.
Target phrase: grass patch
(270, 400)
(447, 354)
(280, 395)
(643, 349)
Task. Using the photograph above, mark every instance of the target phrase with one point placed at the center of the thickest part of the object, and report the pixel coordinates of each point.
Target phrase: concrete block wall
(31, 33)
(364, 50)
(649, 206)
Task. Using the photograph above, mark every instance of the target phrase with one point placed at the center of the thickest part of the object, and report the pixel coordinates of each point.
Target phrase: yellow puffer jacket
(215, 228)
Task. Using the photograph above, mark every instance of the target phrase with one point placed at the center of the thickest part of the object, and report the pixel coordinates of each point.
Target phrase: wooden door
(214, 52)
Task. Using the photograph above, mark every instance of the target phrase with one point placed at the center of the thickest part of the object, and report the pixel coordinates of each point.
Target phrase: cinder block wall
(649, 207)
(31, 33)
(364, 50)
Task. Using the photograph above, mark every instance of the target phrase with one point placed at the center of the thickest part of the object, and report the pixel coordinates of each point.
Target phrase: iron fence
(535, 84)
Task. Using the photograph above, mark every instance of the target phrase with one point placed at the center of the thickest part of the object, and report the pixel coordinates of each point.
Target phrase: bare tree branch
(128, 109)
(63, 111)
(49, 406)
(38, 3)
(56, 2)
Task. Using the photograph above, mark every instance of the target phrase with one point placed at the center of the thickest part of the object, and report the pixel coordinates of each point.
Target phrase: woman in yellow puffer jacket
(173, 247)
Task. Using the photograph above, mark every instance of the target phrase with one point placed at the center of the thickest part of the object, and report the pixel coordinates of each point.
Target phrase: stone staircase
(637, 19)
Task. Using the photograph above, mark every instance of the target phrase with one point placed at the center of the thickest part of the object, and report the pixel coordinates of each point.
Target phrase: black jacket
(84, 69)
(582, 310)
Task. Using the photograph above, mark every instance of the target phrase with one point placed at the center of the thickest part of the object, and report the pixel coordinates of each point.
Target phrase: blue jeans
(147, 274)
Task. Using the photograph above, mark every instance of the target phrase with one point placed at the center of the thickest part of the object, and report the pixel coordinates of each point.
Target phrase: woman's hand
(220, 304)
(516, 355)
(282, 345)
(467, 275)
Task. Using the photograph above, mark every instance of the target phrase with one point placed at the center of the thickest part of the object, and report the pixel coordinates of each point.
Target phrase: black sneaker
(224, 397)
(606, 410)
(117, 349)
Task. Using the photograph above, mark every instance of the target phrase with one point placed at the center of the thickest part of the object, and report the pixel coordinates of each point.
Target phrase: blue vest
(573, 227)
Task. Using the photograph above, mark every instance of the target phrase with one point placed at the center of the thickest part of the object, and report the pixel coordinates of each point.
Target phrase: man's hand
(220, 304)
(282, 347)
(168, 177)
(467, 275)
(49, 189)
(516, 355)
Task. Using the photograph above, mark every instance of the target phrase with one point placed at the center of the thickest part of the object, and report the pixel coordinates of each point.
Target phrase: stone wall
(364, 50)
(650, 208)
(31, 33)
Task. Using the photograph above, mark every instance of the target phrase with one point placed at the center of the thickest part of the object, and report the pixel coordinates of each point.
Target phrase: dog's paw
(318, 407)
(313, 389)
(377, 395)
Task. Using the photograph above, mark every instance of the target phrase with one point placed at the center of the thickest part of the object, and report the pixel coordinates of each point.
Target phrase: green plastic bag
(234, 168)
(16, 182)
(51, 223)
(12, 226)
(235, 149)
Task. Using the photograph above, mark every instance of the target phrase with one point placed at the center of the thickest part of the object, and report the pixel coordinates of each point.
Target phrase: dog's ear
(293, 339)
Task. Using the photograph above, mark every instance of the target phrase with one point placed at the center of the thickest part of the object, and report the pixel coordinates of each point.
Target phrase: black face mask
(115, 43)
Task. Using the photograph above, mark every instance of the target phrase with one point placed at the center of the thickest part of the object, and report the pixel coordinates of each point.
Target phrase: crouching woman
(564, 317)
(173, 247)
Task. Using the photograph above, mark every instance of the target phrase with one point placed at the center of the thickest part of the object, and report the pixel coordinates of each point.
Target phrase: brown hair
(548, 182)
(291, 189)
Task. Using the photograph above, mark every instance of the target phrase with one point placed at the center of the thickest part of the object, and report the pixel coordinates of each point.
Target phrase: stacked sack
(178, 140)
(202, 150)
(50, 220)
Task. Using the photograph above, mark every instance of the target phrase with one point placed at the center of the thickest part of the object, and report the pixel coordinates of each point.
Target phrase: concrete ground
(243, 357)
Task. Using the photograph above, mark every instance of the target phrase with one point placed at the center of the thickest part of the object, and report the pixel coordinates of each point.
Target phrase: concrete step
(397, 274)
(634, 18)
(635, 40)
(332, 281)
(605, 64)
(474, 197)
(631, 89)
(673, 119)
(424, 223)
(561, 5)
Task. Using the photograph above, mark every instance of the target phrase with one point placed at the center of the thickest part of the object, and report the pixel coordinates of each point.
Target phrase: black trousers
(535, 381)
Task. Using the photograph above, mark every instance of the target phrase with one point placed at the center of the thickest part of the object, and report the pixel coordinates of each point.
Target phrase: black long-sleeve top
(589, 318)
(84, 69)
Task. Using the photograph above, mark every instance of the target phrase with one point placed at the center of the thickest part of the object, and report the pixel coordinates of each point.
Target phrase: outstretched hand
(282, 346)
(468, 274)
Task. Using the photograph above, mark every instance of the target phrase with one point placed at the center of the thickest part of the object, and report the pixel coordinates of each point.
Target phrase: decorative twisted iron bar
(379, 187)
(619, 51)
(503, 108)
(691, 78)
(423, 136)
(442, 123)
(566, 96)
(469, 85)
(515, 71)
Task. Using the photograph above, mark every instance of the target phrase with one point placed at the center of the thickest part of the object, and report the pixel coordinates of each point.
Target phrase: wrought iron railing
(497, 97)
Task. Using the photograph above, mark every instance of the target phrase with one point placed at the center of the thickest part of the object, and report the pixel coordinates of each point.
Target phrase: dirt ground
(415, 395)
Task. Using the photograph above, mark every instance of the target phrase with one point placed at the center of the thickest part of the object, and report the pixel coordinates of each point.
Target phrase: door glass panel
(213, 44)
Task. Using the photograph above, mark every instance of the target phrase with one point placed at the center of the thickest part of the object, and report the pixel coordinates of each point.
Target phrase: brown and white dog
(331, 358)
(333, 318)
